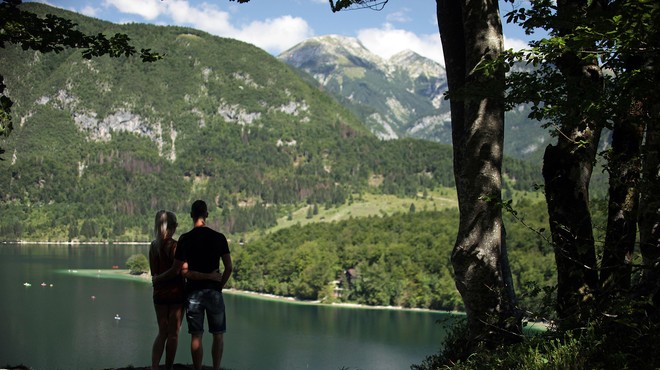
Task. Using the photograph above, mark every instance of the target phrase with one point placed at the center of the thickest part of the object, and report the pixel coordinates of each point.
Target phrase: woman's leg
(175, 315)
(161, 337)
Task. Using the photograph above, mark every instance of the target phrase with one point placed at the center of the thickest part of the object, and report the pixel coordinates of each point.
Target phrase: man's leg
(196, 350)
(217, 326)
(195, 318)
(216, 351)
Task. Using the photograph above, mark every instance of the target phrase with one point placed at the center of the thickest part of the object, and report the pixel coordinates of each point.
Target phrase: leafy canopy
(137, 264)
(622, 35)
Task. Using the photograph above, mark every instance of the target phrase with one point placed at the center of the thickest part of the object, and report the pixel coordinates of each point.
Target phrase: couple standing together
(186, 273)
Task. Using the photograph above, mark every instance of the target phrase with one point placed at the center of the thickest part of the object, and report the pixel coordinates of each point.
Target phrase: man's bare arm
(228, 268)
(177, 266)
(196, 275)
(215, 276)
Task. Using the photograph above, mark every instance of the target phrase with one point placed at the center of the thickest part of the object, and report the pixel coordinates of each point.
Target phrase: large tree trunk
(567, 169)
(471, 32)
(624, 168)
(649, 212)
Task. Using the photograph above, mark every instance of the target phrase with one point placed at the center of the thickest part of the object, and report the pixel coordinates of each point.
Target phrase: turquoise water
(72, 325)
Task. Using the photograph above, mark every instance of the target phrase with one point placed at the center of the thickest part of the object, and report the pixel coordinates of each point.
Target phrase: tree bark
(567, 169)
(649, 212)
(624, 168)
(471, 32)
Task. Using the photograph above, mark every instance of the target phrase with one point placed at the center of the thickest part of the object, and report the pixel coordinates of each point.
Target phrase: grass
(124, 274)
(119, 274)
(366, 205)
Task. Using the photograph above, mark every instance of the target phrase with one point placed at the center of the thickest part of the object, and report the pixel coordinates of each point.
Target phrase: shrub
(624, 339)
(137, 264)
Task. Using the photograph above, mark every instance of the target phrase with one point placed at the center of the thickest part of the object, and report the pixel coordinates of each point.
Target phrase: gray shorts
(207, 301)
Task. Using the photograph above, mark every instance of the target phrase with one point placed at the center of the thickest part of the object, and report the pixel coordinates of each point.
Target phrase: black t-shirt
(202, 248)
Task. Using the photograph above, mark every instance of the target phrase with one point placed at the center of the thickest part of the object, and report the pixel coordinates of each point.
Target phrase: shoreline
(123, 274)
(23, 242)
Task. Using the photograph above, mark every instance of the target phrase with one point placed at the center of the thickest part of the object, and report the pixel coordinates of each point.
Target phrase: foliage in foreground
(623, 335)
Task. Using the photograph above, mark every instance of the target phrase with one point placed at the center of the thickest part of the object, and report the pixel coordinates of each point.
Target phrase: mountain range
(99, 145)
(402, 96)
(398, 97)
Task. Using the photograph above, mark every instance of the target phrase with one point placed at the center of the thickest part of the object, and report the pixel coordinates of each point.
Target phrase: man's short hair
(198, 210)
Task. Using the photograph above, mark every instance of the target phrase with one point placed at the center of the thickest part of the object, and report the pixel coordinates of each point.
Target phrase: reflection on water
(72, 325)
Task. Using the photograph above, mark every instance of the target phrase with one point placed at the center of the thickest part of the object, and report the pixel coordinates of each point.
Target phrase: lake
(72, 325)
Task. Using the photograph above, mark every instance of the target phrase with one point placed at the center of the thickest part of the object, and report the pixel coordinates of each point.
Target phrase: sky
(277, 25)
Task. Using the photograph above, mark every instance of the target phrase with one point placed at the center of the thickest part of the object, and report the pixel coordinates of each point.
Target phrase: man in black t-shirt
(202, 249)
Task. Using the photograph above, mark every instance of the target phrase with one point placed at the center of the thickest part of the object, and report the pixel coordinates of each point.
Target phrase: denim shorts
(207, 301)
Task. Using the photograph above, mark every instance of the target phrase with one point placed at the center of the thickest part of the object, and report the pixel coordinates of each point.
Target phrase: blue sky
(276, 25)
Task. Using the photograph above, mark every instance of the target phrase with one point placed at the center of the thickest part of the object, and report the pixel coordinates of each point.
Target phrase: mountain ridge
(402, 96)
(392, 96)
(100, 145)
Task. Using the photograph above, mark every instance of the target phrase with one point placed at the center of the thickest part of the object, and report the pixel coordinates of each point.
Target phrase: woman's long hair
(164, 227)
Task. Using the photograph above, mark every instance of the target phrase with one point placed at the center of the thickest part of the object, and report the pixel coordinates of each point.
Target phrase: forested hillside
(100, 145)
(399, 260)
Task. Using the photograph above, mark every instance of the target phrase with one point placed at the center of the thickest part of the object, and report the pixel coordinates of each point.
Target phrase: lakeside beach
(124, 274)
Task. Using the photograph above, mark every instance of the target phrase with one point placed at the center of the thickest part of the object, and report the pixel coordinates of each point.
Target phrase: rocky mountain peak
(416, 65)
(398, 97)
(331, 50)
(402, 96)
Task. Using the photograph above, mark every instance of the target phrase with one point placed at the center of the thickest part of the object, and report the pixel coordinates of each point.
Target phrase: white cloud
(89, 11)
(148, 9)
(515, 44)
(400, 16)
(274, 35)
(47, 3)
(387, 41)
(206, 17)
